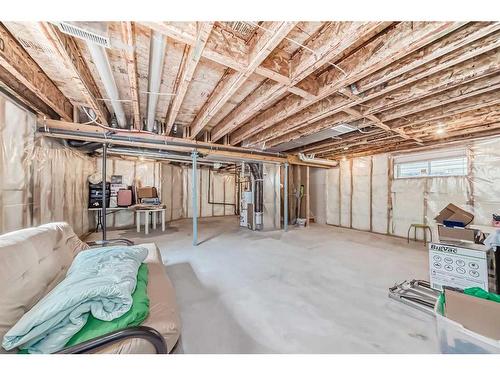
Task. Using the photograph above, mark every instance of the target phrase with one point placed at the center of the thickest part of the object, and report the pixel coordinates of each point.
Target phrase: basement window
(453, 163)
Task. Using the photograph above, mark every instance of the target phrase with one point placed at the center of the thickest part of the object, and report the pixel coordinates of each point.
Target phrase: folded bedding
(132, 318)
(99, 282)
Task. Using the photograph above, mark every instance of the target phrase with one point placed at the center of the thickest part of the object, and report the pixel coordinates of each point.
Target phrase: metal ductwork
(100, 58)
(258, 182)
(156, 59)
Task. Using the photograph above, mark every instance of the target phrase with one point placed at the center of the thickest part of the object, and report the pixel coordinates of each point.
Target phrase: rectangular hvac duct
(334, 131)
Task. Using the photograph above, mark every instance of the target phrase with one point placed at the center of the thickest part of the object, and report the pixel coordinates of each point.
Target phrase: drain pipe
(100, 58)
(156, 58)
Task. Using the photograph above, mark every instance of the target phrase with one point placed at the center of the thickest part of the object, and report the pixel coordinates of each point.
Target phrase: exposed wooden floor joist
(397, 82)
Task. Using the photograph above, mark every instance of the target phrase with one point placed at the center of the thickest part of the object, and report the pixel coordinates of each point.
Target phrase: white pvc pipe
(101, 62)
(312, 160)
(156, 58)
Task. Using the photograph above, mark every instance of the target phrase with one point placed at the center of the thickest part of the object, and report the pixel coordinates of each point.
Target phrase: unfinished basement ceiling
(281, 85)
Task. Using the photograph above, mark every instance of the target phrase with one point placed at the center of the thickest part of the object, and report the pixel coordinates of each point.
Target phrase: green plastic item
(132, 318)
(475, 291)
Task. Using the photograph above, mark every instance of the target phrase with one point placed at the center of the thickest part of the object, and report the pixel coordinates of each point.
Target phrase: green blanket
(134, 317)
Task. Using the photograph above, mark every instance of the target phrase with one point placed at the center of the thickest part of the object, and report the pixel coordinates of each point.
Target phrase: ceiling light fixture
(441, 130)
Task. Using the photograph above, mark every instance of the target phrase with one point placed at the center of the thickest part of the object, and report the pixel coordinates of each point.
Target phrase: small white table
(154, 213)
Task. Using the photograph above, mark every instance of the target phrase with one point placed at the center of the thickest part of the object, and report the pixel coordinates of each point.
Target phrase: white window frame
(428, 158)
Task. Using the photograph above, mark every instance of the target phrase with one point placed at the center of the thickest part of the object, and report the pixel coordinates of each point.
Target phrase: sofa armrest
(142, 332)
(116, 241)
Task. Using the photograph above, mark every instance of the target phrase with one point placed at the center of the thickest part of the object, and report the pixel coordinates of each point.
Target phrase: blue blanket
(100, 281)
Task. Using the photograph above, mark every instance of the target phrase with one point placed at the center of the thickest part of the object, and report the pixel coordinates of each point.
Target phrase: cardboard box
(453, 213)
(476, 314)
(146, 192)
(456, 234)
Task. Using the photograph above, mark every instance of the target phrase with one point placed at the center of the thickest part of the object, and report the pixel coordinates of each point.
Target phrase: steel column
(194, 194)
(103, 208)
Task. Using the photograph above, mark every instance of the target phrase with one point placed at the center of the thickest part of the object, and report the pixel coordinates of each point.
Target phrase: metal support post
(194, 180)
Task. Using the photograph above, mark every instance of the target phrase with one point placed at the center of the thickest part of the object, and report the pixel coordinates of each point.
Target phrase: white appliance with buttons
(459, 267)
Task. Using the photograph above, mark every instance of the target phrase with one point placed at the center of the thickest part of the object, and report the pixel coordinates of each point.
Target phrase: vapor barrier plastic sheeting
(317, 188)
(485, 180)
(408, 205)
(345, 193)
(332, 196)
(40, 180)
(271, 197)
(361, 186)
(379, 189)
(16, 152)
(222, 190)
(171, 191)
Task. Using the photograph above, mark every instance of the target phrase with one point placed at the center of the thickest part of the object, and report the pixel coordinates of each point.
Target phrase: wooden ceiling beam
(481, 132)
(15, 60)
(15, 88)
(231, 52)
(329, 45)
(128, 38)
(425, 131)
(262, 46)
(398, 42)
(70, 54)
(332, 43)
(456, 41)
(380, 124)
(441, 83)
(187, 71)
(460, 93)
(442, 75)
(483, 100)
(471, 116)
(252, 104)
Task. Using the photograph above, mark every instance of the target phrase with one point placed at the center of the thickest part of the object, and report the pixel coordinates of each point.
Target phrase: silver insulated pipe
(156, 58)
(101, 62)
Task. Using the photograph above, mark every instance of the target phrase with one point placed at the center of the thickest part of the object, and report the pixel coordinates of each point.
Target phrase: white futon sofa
(35, 260)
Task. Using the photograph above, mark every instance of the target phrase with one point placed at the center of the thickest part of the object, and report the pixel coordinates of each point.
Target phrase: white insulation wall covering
(408, 204)
(212, 191)
(271, 197)
(332, 197)
(361, 193)
(40, 180)
(171, 191)
(317, 186)
(413, 200)
(485, 180)
(379, 187)
(16, 153)
(345, 193)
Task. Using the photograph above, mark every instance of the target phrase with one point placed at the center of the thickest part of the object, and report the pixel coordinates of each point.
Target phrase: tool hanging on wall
(298, 195)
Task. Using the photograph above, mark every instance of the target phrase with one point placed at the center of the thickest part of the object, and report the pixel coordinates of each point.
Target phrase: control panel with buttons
(458, 267)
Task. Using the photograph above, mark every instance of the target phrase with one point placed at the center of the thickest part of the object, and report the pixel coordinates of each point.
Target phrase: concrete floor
(316, 290)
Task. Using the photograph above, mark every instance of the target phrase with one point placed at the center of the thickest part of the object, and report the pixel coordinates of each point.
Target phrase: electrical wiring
(93, 120)
(302, 46)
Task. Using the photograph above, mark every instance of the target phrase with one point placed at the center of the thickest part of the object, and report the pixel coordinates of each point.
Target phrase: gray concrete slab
(316, 290)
